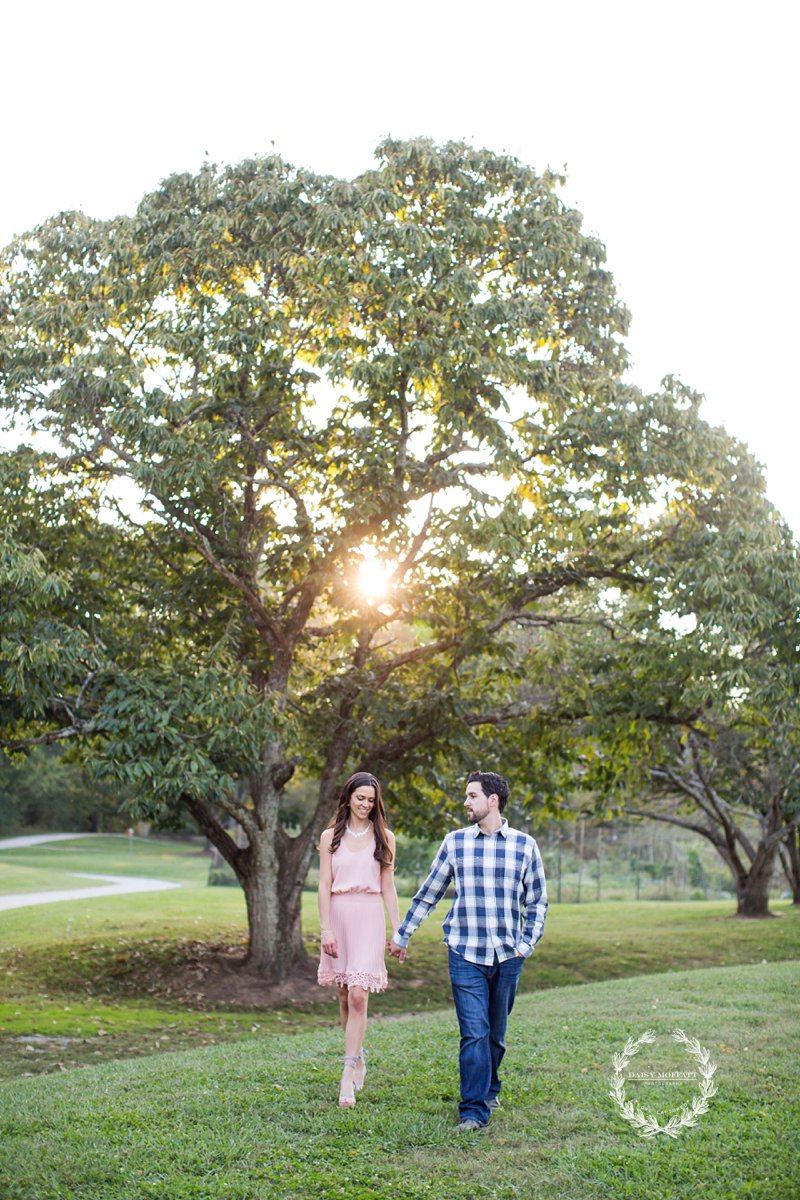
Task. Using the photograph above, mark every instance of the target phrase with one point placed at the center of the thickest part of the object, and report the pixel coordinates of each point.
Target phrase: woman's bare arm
(324, 894)
(388, 889)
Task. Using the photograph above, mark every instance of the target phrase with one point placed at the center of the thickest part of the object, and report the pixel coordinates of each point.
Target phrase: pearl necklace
(363, 833)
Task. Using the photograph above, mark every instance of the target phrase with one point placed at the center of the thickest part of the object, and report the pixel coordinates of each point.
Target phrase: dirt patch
(191, 975)
(209, 976)
(216, 976)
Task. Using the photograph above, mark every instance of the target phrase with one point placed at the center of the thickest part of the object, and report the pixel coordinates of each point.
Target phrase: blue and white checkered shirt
(500, 897)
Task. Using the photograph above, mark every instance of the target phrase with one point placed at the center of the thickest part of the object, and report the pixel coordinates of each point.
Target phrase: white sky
(675, 120)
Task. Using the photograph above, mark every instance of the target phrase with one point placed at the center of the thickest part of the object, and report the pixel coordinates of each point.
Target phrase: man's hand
(396, 951)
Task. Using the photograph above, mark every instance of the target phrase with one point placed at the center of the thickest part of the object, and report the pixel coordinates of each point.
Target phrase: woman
(356, 873)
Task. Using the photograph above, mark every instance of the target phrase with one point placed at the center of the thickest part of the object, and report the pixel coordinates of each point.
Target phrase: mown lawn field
(180, 1099)
(88, 981)
(52, 865)
(258, 1119)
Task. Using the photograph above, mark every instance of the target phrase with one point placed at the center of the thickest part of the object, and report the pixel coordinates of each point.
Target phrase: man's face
(476, 802)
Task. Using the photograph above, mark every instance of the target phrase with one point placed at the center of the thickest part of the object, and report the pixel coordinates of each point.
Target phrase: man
(496, 919)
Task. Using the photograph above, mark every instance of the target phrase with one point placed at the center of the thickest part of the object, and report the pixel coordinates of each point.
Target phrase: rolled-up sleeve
(428, 895)
(534, 904)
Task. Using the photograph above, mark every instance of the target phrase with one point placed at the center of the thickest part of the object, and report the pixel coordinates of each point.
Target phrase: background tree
(694, 694)
(790, 858)
(322, 449)
(46, 792)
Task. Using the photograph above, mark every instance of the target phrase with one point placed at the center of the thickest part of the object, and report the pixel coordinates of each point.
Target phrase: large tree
(262, 389)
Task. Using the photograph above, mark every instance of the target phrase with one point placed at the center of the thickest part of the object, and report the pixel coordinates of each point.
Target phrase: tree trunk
(790, 857)
(751, 870)
(752, 888)
(271, 871)
(272, 878)
(273, 911)
(272, 866)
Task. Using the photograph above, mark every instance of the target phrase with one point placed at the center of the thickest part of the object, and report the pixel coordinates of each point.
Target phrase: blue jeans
(484, 996)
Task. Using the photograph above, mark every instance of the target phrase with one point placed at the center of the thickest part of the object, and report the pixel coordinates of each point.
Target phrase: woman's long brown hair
(377, 815)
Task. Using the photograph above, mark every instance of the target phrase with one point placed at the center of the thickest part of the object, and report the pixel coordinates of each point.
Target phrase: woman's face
(362, 801)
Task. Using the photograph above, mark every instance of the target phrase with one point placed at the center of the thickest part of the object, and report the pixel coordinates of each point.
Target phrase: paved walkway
(115, 885)
(118, 885)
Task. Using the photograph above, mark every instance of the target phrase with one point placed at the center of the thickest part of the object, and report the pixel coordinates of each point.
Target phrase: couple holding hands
(496, 919)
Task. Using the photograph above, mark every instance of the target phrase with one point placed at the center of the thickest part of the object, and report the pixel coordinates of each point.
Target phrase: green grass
(105, 946)
(258, 1120)
(71, 969)
(243, 1106)
(16, 879)
(179, 862)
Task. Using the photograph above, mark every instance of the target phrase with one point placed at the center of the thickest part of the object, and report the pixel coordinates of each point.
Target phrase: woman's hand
(396, 951)
(329, 944)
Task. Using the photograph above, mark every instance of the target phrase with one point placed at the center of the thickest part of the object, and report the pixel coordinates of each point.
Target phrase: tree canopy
(327, 453)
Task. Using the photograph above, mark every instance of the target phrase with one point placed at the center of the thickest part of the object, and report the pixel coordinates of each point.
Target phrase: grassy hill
(258, 1120)
(99, 979)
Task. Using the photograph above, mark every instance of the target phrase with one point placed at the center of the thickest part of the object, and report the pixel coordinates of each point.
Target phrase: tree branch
(684, 824)
(214, 830)
(395, 748)
(51, 737)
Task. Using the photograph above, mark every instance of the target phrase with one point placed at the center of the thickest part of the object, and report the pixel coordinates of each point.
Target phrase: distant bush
(222, 876)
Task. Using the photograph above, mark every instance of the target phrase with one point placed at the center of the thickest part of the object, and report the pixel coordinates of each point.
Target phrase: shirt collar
(503, 830)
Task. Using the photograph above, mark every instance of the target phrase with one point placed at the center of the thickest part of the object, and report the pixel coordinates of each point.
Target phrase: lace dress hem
(363, 979)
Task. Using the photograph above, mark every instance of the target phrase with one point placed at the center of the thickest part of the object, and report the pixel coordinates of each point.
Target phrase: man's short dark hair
(491, 784)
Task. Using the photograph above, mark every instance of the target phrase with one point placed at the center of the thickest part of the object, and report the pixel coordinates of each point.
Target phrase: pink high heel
(347, 1099)
(358, 1080)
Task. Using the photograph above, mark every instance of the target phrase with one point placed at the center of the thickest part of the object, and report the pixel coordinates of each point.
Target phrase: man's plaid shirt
(500, 897)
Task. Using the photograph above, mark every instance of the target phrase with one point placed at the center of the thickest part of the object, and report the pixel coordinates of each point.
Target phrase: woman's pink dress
(357, 921)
